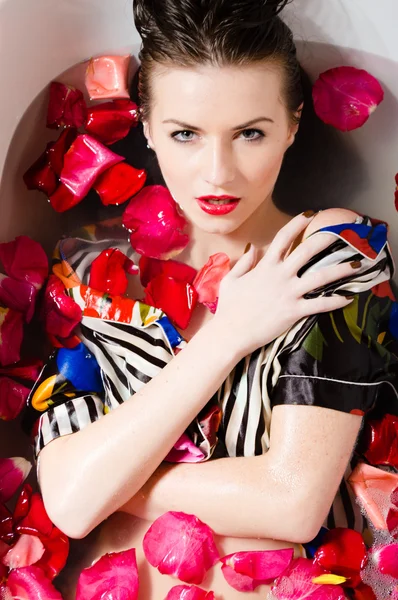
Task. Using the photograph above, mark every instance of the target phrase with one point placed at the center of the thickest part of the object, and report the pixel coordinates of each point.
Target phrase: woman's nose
(218, 165)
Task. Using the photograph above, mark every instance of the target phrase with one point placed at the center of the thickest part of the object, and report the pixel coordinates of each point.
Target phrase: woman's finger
(287, 235)
(323, 304)
(245, 263)
(307, 250)
(335, 274)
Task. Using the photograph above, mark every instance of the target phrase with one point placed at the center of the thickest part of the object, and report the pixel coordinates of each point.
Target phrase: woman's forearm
(87, 476)
(238, 497)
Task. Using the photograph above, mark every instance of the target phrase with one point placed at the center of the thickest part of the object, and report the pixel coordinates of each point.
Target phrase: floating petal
(119, 184)
(157, 229)
(345, 97)
(84, 162)
(25, 260)
(189, 592)
(177, 299)
(26, 552)
(60, 312)
(11, 335)
(13, 396)
(107, 77)
(184, 450)
(66, 107)
(108, 272)
(181, 545)
(30, 583)
(113, 577)
(343, 552)
(151, 268)
(13, 472)
(296, 583)
(382, 438)
(207, 281)
(386, 559)
(112, 121)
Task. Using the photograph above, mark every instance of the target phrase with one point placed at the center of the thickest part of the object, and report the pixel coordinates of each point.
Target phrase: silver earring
(148, 146)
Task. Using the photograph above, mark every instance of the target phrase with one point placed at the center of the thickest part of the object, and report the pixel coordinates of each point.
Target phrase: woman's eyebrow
(244, 126)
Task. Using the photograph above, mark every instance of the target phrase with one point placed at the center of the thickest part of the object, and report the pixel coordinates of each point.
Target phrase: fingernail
(349, 297)
(308, 213)
(247, 248)
(356, 264)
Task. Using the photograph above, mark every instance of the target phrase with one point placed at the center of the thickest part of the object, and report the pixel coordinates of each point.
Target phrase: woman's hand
(259, 302)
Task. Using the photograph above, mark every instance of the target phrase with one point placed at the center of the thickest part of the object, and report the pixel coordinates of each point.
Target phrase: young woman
(272, 388)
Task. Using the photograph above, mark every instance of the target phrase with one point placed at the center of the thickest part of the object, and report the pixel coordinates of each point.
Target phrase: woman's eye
(183, 136)
(252, 135)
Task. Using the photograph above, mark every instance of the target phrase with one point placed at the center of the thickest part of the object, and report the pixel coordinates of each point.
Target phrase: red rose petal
(363, 592)
(157, 227)
(151, 267)
(242, 583)
(107, 77)
(37, 520)
(56, 553)
(40, 176)
(343, 552)
(345, 97)
(207, 282)
(175, 298)
(11, 335)
(113, 577)
(27, 551)
(180, 545)
(383, 441)
(119, 184)
(30, 583)
(6, 525)
(386, 559)
(108, 272)
(112, 121)
(56, 150)
(25, 260)
(23, 503)
(66, 107)
(84, 162)
(296, 583)
(13, 472)
(189, 592)
(18, 295)
(392, 515)
(60, 312)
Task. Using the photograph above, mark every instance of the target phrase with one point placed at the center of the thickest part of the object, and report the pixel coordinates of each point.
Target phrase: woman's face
(219, 131)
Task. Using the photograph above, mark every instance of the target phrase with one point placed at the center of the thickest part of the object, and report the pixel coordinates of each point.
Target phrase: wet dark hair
(188, 33)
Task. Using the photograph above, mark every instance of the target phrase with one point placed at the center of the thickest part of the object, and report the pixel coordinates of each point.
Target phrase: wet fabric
(345, 360)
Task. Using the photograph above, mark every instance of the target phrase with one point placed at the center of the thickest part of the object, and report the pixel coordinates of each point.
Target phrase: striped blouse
(345, 360)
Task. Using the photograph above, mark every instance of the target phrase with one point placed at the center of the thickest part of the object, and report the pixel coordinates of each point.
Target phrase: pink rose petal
(18, 295)
(11, 335)
(207, 282)
(27, 551)
(13, 472)
(189, 592)
(345, 97)
(151, 268)
(386, 559)
(66, 107)
(25, 260)
(30, 583)
(264, 565)
(242, 583)
(184, 450)
(296, 583)
(113, 577)
(181, 545)
(107, 77)
(157, 229)
(85, 160)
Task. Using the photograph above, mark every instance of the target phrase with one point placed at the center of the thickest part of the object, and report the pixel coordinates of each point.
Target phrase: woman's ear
(295, 125)
(147, 133)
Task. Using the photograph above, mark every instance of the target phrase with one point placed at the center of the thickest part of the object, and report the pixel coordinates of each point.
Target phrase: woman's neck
(259, 229)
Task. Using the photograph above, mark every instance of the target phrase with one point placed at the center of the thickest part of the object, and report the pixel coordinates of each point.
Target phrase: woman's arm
(86, 476)
(284, 494)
